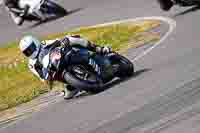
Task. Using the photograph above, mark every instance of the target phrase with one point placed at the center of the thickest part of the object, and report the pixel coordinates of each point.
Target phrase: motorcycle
(39, 10)
(186, 3)
(84, 69)
(167, 4)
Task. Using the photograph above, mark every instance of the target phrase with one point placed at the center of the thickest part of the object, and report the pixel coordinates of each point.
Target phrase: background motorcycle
(83, 75)
(40, 10)
(167, 4)
(188, 3)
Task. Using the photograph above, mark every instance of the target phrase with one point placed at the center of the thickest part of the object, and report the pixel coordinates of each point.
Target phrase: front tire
(126, 67)
(89, 86)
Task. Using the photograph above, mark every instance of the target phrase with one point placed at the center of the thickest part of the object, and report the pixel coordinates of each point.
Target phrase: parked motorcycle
(84, 69)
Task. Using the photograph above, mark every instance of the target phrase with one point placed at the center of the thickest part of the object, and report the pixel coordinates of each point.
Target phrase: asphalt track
(163, 97)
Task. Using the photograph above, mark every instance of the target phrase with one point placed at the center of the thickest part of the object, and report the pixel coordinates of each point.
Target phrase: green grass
(18, 85)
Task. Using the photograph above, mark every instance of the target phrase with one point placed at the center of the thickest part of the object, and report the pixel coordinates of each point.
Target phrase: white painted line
(172, 25)
(169, 21)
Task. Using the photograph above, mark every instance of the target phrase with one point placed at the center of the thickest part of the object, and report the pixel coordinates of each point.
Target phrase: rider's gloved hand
(103, 50)
(64, 41)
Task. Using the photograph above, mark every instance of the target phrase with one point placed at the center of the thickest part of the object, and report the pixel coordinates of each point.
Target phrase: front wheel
(125, 66)
(80, 77)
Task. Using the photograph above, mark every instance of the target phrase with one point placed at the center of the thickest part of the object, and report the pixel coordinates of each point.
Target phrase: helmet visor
(29, 51)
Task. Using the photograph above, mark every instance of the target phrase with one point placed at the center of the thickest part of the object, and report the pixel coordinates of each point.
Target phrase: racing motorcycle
(186, 3)
(39, 10)
(167, 4)
(84, 69)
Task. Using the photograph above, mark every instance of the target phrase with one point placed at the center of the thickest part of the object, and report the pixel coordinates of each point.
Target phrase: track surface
(163, 97)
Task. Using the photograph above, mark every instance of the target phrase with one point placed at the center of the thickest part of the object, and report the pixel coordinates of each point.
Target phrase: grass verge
(18, 85)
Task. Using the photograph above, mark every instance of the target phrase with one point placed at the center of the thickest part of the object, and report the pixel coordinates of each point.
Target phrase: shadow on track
(56, 17)
(193, 9)
(113, 83)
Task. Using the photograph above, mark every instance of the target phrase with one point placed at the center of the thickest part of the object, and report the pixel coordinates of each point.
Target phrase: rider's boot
(17, 19)
(166, 5)
(70, 92)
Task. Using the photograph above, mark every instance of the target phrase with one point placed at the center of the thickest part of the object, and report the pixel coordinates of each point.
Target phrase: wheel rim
(81, 73)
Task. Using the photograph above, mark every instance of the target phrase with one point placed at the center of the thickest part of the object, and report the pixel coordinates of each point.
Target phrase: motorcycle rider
(35, 50)
(166, 5)
(15, 11)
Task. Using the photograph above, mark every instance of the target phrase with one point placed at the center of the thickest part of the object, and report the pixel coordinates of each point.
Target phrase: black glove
(103, 50)
(65, 41)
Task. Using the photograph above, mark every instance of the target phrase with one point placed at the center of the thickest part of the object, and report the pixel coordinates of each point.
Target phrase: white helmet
(30, 46)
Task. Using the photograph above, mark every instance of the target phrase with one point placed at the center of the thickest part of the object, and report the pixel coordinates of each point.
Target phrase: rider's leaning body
(12, 5)
(18, 13)
(15, 11)
(36, 50)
